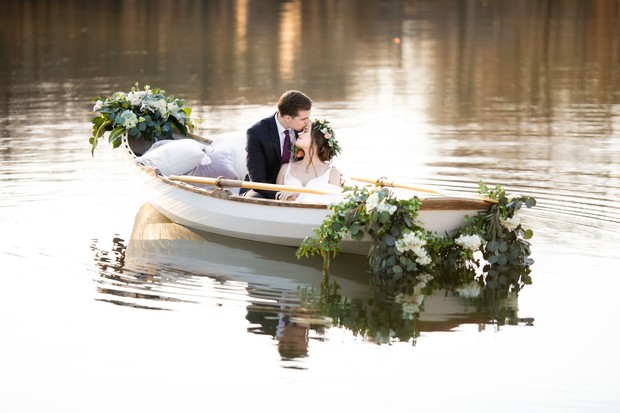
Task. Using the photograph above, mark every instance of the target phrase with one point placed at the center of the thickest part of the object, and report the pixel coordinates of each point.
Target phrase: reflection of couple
(287, 148)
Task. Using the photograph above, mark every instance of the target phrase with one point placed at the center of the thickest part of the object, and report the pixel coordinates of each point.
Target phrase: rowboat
(218, 208)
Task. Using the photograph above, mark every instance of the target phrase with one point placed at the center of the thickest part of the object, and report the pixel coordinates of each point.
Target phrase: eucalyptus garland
(490, 252)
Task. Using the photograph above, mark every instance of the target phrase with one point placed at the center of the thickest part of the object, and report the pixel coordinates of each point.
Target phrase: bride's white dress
(320, 182)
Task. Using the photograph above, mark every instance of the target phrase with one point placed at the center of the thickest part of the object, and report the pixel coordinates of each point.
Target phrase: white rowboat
(223, 212)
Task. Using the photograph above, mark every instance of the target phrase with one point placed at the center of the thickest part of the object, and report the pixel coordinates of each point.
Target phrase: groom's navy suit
(263, 153)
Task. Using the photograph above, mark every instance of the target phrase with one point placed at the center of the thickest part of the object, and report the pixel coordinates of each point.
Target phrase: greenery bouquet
(147, 113)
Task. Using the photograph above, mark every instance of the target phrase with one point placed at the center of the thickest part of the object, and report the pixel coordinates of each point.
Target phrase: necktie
(286, 150)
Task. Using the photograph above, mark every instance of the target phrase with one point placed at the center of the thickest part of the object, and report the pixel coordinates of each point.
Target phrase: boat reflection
(164, 265)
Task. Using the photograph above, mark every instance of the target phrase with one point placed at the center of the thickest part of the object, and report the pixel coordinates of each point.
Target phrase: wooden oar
(221, 182)
(385, 182)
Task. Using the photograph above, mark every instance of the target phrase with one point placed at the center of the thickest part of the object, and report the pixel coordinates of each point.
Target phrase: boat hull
(270, 221)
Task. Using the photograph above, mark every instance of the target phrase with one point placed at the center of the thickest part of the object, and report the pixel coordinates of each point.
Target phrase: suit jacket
(263, 153)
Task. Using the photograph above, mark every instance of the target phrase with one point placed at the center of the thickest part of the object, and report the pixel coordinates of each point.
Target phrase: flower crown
(325, 128)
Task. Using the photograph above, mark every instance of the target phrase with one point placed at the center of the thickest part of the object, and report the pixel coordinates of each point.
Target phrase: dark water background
(104, 305)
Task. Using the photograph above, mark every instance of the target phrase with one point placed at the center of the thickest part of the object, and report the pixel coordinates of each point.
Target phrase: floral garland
(325, 128)
(147, 113)
(490, 252)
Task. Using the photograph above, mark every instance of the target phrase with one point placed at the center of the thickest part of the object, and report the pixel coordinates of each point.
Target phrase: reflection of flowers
(412, 303)
(471, 290)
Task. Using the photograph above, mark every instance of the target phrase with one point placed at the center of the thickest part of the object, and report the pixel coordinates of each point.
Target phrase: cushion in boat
(218, 163)
(174, 157)
(235, 142)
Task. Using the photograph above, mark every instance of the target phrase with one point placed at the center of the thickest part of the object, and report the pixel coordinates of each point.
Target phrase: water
(106, 305)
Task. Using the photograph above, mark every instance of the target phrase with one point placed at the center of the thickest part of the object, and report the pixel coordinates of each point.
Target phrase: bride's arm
(335, 177)
(284, 196)
(281, 174)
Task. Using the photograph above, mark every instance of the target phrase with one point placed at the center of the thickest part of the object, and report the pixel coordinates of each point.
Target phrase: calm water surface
(105, 305)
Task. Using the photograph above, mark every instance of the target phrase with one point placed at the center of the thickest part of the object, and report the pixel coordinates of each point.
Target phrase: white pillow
(175, 157)
(235, 142)
(217, 163)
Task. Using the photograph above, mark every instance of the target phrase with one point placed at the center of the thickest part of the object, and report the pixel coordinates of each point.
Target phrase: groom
(266, 139)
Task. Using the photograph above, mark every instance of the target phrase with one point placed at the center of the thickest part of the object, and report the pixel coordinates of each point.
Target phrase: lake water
(106, 306)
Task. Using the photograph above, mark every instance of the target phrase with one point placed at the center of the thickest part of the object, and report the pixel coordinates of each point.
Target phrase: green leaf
(528, 234)
(116, 137)
(389, 240)
(384, 217)
(93, 141)
(503, 246)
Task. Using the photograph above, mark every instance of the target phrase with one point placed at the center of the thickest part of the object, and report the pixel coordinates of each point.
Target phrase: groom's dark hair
(292, 101)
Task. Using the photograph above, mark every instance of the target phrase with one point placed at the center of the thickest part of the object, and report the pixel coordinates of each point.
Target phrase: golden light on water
(289, 39)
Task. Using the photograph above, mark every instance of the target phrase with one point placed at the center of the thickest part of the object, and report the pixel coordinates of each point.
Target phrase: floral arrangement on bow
(148, 113)
(490, 252)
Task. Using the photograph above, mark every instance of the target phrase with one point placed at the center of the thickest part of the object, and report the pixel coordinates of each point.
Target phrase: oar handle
(235, 183)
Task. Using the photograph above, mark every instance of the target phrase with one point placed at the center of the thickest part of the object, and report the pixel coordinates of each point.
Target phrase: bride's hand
(286, 196)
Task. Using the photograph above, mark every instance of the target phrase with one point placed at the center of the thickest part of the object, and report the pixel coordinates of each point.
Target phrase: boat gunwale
(436, 203)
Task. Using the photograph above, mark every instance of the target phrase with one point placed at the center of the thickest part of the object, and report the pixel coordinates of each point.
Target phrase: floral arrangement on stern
(147, 113)
(489, 254)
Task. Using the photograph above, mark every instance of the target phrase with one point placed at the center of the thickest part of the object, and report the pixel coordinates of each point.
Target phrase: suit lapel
(275, 137)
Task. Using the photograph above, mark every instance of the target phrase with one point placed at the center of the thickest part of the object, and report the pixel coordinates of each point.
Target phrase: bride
(314, 148)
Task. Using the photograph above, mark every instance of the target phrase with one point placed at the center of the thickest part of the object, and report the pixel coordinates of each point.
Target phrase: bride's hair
(324, 152)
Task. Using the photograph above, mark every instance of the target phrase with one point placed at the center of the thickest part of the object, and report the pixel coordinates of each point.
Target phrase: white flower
(173, 107)
(423, 259)
(155, 104)
(372, 202)
(135, 98)
(471, 242)
(385, 207)
(511, 223)
(129, 119)
(98, 105)
(471, 290)
(411, 242)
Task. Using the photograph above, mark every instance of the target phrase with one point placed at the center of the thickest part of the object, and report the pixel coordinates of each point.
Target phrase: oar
(221, 182)
(383, 181)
